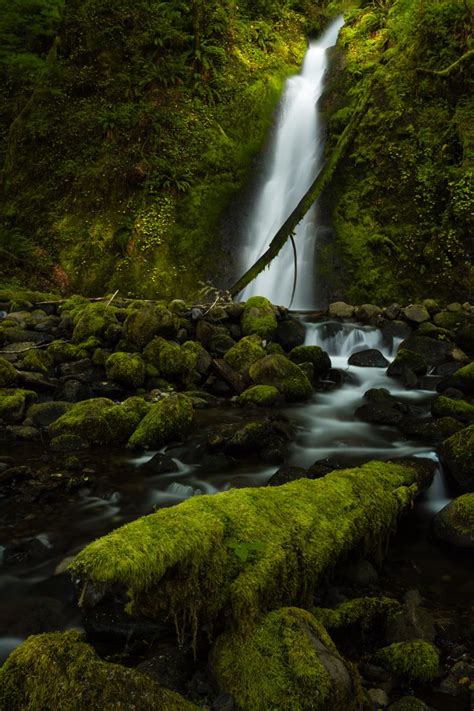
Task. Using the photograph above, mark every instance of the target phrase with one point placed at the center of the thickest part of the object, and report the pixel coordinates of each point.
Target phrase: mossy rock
(259, 318)
(458, 409)
(283, 374)
(433, 351)
(220, 343)
(261, 396)
(45, 413)
(60, 671)
(465, 338)
(312, 354)
(37, 361)
(143, 324)
(463, 379)
(361, 610)
(13, 404)
(7, 373)
(458, 454)
(407, 365)
(244, 354)
(127, 369)
(455, 523)
(288, 662)
(409, 703)
(198, 361)
(415, 661)
(451, 320)
(432, 331)
(170, 419)
(100, 421)
(62, 352)
(247, 551)
(93, 321)
(168, 358)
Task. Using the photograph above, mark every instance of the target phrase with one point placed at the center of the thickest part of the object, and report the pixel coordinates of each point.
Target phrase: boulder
(339, 309)
(369, 358)
(290, 333)
(45, 413)
(14, 403)
(170, 419)
(143, 324)
(315, 355)
(455, 523)
(431, 430)
(458, 454)
(287, 662)
(414, 661)
(93, 321)
(369, 313)
(416, 313)
(7, 373)
(127, 369)
(244, 354)
(259, 318)
(458, 409)
(407, 365)
(286, 474)
(463, 380)
(261, 396)
(283, 374)
(449, 319)
(432, 351)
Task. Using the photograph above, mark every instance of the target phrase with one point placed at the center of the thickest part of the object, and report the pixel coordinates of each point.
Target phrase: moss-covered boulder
(360, 610)
(288, 662)
(455, 523)
(45, 413)
(312, 354)
(408, 366)
(7, 373)
(167, 357)
(415, 661)
(14, 403)
(37, 361)
(128, 369)
(433, 351)
(409, 703)
(100, 421)
(247, 551)
(198, 360)
(62, 352)
(458, 409)
(259, 318)
(244, 354)
(261, 396)
(143, 324)
(283, 374)
(93, 321)
(170, 419)
(450, 320)
(60, 671)
(458, 454)
(463, 379)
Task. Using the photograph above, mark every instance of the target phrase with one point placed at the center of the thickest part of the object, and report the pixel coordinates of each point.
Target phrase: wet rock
(28, 551)
(360, 573)
(24, 433)
(237, 382)
(368, 313)
(395, 329)
(430, 430)
(458, 454)
(315, 355)
(44, 413)
(290, 333)
(261, 396)
(37, 381)
(127, 369)
(458, 409)
(170, 419)
(379, 413)
(265, 439)
(392, 311)
(244, 354)
(73, 390)
(286, 474)
(259, 317)
(432, 351)
(283, 374)
(339, 309)
(410, 622)
(169, 665)
(321, 467)
(413, 661)
(446, 369)
(463, 380)
(67, 443)
(370, 358)
(407, 365)
(14, 403)
(159, 464)
(416, 313)
(455, 523)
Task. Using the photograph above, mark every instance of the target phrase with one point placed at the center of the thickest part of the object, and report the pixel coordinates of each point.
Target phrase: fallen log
(238, 554)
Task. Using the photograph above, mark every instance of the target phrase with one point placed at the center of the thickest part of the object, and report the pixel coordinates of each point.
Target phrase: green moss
(464, 379)
(99, 421)
(259, 318)
(180, 561)
(60, 671)
(280, 372)
(312, 354)
(13, 404)
(198, 361)
(409, 703)
(415, 661)
(170, 419)
(287, 662)
(246, 352)
(458, 451)
(458, 409)
(93, 321)
(127, 369)
(449, 320)
(261, 396)
(360, 610)
(7, 373)
(38, 361)
(143, 324)
(62, 352)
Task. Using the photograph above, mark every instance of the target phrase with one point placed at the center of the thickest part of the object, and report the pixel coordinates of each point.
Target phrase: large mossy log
(309, 198)
(247, 551)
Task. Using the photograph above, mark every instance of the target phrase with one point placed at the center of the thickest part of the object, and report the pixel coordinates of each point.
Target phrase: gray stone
(339, 309)
(417, 313)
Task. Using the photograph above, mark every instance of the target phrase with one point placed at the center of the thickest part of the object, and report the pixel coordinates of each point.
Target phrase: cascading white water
(294, 161)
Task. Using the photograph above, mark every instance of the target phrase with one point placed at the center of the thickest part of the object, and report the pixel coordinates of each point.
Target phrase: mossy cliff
(401, 201)
(234, 554)
(138, 122)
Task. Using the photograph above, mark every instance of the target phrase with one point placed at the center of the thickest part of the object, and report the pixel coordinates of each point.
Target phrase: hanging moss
(182, 560)
(60, 671)
(415, 661)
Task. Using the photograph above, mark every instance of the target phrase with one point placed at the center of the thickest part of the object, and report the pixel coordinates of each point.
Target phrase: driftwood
(317, 187)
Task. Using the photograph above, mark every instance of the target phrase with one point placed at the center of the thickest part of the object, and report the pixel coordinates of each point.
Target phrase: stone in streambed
(14, 403)
(458, 409)
(143, 324)
(244, 354)
(290, 333)
(455, 523)
(413, 661)
(170, 419)
(458, 454)
(463, 380)
(370, 358)
(315, 355)
(429, 429)
(411, 621)
(159, 464)
(261, 396)
(283, 374)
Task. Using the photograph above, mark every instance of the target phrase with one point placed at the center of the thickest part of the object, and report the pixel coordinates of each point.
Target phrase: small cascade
(294, 160)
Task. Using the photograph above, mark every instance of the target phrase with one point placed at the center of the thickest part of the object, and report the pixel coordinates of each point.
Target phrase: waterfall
(294, 160)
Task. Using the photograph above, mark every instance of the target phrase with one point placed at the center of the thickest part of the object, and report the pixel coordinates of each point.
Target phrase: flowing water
(294, 160)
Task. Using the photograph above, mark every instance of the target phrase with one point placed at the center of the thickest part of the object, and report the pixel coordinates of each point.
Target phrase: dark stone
(379, 413)
(286, 474)
(290, 333)
(410, 622)
(43, 414)
(370, 358)
(360, 573)
(224, 702)
(81, 367)
(31, 615)
(73, 391)
(464, 338)
(451, 526)
(25, 552)
(20, 335)
(395, 329)
(36, 381)
(451, 683)
(446, 369)
(322, 467)
(434, 352)
(427, 428)
(170, 666)
(159, 464)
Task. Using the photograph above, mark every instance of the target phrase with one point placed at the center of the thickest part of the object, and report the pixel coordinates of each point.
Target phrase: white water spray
(295, 160)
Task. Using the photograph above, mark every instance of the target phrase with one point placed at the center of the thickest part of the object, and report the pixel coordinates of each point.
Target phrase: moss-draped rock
(167, 357)
(13, 403)
(312, 354)
(170, 419)
(458, 409)
(37, 361)
(93, 321)
(463, 379)
(261, 396)
(7, 373)
(198, 360)
(455, 523)
(248, 550)
(62, 352)
(244, 354)
(100, 421)
(458, 454)
(145, 323)
(60, 671)
(449, 319)
(362, 610)
(127, 369)
(288, 662)
(283, 374)
(259, 318)
(415, 661)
